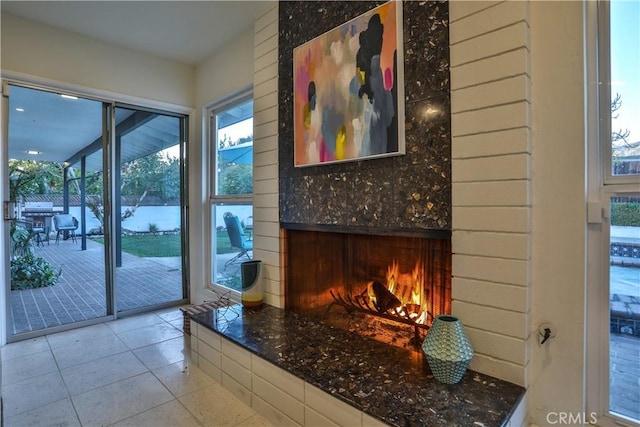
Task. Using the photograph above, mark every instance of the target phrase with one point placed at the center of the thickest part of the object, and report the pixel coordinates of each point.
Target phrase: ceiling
(185, 31)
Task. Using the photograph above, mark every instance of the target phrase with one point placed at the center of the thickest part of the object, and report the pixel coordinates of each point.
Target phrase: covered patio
(79, 293)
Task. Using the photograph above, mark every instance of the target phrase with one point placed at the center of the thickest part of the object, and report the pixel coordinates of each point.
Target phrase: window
(614, 242)
(231, 139)
(624, 97)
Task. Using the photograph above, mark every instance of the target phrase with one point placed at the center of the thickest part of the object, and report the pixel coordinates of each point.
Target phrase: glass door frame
(108, 147)
(111, 146)
(602, 186)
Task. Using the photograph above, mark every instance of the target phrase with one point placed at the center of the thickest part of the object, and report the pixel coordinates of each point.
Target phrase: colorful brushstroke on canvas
(347, 83)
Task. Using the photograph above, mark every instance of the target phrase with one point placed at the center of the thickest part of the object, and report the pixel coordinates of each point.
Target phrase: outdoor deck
(625, 375)
(80, 292)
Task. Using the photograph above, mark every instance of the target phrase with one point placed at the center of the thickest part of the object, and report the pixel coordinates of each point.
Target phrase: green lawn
(148, 245)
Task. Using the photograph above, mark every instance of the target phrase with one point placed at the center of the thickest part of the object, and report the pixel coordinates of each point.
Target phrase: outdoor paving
(624, 385)
(80, 292)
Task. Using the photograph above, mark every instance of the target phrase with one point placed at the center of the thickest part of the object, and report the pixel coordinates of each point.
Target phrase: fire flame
(409, 289)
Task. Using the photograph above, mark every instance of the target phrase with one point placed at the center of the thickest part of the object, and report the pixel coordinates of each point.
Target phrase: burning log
(361, 303)
(385, 300)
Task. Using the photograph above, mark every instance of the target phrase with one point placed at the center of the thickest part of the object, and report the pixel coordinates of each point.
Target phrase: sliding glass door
(99, 222)
(55, 180)
(148, 233)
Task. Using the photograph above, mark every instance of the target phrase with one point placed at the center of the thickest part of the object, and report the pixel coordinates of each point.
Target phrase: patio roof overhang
(63, 129)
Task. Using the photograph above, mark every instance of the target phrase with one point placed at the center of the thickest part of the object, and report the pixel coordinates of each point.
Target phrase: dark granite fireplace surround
(407, 193)
(402, 197)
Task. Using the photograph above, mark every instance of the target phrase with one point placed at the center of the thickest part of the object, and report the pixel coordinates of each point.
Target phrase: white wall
(267, 246)
(559, 217)
(517, 100)
(43, 54)
(491, 197)
(38, 51)
(40, 54)
(519, 193)
(250, 60)
(228, 71)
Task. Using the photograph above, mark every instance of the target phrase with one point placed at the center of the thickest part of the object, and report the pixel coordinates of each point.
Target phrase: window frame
(604, 97)
(602, 186)
(214, 200)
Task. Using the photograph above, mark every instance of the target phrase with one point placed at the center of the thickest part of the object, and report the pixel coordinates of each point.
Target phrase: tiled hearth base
(296, 371)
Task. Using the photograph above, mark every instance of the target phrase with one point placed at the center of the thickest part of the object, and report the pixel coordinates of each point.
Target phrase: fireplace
(388, 287)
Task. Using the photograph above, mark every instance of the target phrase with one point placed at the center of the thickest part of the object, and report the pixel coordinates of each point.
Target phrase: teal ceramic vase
(447, 349)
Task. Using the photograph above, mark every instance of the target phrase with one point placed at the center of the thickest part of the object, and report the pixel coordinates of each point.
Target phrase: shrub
(20, 240)
(153, 228)
(625, 214)
(29, 272)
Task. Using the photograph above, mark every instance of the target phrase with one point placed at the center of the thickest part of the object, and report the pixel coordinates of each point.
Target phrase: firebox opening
(386, 287)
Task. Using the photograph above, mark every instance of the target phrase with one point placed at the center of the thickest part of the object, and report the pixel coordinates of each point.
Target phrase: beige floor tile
(60, 413)
(183, 378)
(215, 406)
(168, 414)
(24, 348)
(118, 401)
(178, 324)
(78, 336)
(163, 353)
(97, 373)
(32, 393)
(28, 366)
(87, 350)
(135, 322)
(170, 314)
(255, 421)
(148, 335)
(110, 383)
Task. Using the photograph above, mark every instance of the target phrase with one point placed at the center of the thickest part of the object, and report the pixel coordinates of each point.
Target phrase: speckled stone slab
(391, 384)
(407, 192)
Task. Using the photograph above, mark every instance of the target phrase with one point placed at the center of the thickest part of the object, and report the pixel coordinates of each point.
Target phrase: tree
(171, 179)
(236, 178)
(149, 175)
(617, 150)
(153, 175)
(28, 177)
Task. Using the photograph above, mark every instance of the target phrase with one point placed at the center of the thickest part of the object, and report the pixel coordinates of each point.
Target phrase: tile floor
(129, 372)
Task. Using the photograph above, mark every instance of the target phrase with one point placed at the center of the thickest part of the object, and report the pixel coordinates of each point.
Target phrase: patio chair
(236, 237)
(41, 234)
(65, 223)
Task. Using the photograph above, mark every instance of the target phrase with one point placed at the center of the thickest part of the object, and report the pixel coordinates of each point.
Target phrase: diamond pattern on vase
(447, 349)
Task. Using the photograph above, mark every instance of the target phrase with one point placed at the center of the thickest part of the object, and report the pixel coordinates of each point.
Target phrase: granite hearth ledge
(390, 384)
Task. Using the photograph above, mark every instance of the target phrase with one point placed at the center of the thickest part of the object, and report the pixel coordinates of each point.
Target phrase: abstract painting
(349, 90)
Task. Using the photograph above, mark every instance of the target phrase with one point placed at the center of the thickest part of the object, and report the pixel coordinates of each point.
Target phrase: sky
(625, 65)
